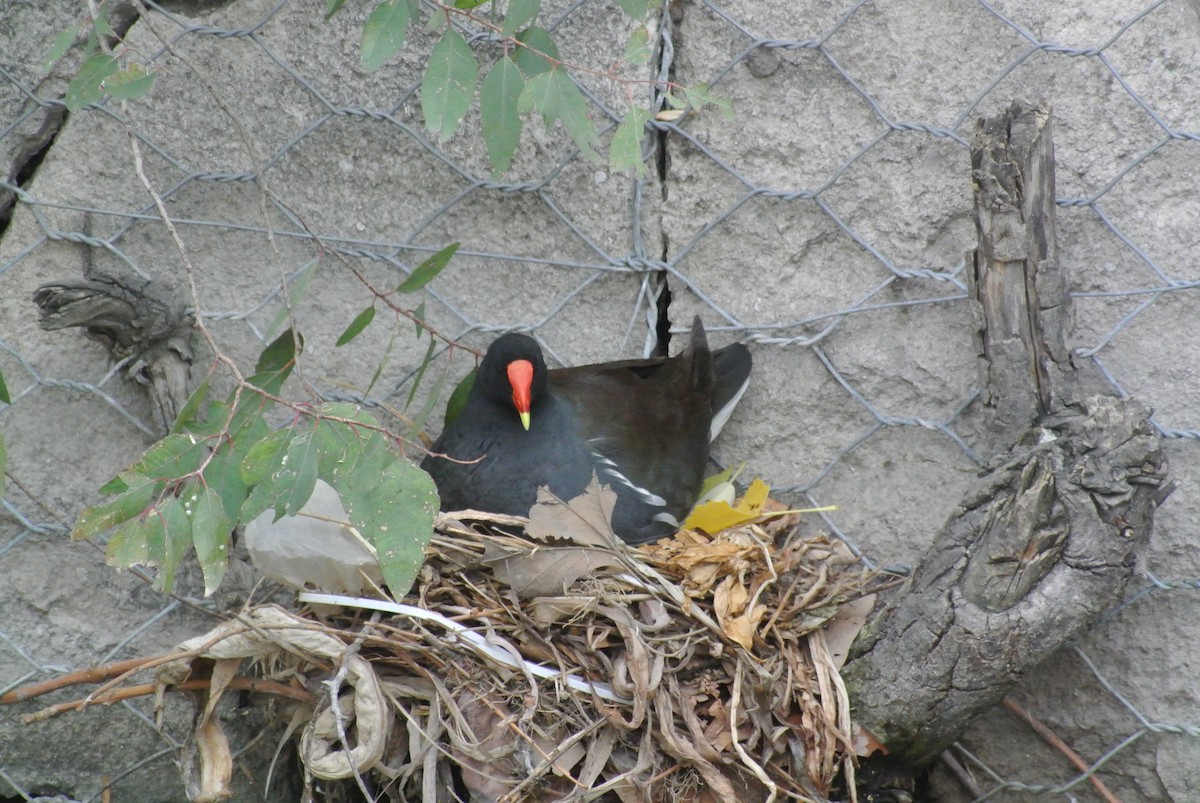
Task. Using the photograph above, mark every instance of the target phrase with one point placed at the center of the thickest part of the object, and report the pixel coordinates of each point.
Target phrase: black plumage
(642, 426)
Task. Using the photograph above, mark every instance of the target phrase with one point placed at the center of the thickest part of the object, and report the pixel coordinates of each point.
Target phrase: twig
(93, 674)
(962, 774)
(145, 689)
(259, 179)
(1052, 739)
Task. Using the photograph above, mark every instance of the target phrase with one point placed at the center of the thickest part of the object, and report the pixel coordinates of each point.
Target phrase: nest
(694, 669)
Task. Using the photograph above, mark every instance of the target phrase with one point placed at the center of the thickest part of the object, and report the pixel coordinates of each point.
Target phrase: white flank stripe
(647, 497)
(721, 416)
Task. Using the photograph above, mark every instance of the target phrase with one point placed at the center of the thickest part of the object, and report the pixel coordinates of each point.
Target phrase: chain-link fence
(828, 223)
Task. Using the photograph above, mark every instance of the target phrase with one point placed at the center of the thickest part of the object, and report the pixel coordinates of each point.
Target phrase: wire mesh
(827, 224)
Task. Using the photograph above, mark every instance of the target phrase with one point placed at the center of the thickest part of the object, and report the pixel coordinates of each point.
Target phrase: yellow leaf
(752, 502)
(728, 475)
(712, 517)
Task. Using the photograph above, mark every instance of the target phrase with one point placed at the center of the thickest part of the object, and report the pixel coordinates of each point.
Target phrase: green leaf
(87, 86)
(638, 9)
(538, 53)
(637, 49)
(263, 455)
(498, 100)
(418, 318)
(383, 361)
(699, 96)
(467, 5)
(116, 485)
(139, 541)
(247, 424)
(333, 7)
(223, 474)
(90, 44)
(131, 82)
(291, 481)
(295, 292)
(625, 152)
(418, 422)
(211, 528)
(4, 397)
(94, 520)
(62, 43)
(458, 399)
(187, 413)
(427, 270)
(421, 372)
(449, 84)
(211, 423)
(339, 444)
(520, 13)
(177, 532)
(393, 504)
(283, 489)
(361, 321)
(554, 95)
(280, 354)
(100, 24)
(384, 32)
(172, 458)
(434, 23)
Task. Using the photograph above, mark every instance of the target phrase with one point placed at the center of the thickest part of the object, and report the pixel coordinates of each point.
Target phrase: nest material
(694, 669)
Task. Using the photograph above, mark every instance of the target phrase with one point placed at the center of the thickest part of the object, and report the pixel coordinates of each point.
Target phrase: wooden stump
(1044, 542)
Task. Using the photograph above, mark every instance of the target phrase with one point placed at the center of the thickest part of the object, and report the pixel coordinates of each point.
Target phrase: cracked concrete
(825, 223)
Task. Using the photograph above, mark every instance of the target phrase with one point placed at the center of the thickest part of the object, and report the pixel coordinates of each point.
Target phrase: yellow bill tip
(524, 420)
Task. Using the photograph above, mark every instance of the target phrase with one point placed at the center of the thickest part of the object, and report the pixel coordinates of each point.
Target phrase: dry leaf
(566, 760)
(729, 602)
(730, 598)
(843, 627)
(315, 549)
(485, 754)
(865, 743)
(717, 732)
(211, 781)
(547, 610)
(224, 670)
(546, 570)
(586, 519)
(715, 552)
(779, 519)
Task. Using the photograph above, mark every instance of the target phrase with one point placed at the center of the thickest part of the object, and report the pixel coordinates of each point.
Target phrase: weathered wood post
(1044, 542)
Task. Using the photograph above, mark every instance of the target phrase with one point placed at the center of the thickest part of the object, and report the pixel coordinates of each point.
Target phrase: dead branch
(152, 333)
(1044, 542)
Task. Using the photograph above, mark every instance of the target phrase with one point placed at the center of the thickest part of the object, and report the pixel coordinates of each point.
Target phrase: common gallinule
(642, 426)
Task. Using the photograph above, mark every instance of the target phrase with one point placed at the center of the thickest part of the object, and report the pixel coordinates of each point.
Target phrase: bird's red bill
(520, 376)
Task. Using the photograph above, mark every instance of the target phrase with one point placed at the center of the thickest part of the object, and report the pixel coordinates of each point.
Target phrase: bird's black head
(503, 380)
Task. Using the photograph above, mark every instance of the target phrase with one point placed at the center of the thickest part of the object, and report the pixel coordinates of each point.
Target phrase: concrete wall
(827, 223)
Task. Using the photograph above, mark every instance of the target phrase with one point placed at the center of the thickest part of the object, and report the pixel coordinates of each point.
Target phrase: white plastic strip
(465, 634)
